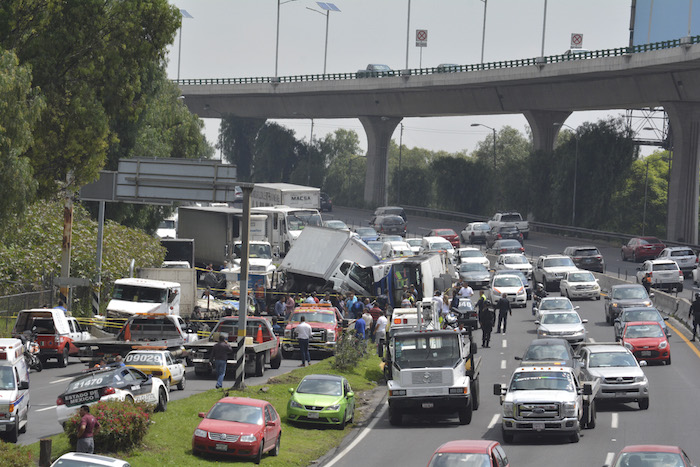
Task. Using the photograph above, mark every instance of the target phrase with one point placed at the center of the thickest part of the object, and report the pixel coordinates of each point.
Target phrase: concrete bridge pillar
(544, 130)
(378, 131)
(684, 187)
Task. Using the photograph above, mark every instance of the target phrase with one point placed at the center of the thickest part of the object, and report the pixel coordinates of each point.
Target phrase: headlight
(333, 407)
(663, 345)
(628, 346)
(614, 305)
(521, 290)
(331, 335)
(569, 409)
(248, 439)
(287, 333)
(200, 433)
(295, 404)
(647, 303)
(640, 379)
(508, 409)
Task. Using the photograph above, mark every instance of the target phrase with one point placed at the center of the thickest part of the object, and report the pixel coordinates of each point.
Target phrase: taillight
(60, 401)
(107, 391)
(499, 236)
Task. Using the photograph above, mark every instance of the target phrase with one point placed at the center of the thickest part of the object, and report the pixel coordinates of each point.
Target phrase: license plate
(646, 353)
(313, 414)
(427, 405)
(221, 447)
(620, 394)
(538, 426)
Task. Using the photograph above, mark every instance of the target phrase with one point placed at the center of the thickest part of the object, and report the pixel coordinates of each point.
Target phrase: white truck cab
(14, 389)
(133, 296)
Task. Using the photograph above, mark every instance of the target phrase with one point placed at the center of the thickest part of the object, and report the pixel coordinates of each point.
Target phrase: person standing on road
(280, 307)
(503, 307)
(86, 430)
(220, 353)
(466, 291)
(486, 319)
(303, 332)
(367, 317)
(646, 282)
(695, 313)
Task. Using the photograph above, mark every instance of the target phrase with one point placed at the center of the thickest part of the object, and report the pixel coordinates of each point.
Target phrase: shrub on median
(349, 350)
(123, 425)
(12, 455)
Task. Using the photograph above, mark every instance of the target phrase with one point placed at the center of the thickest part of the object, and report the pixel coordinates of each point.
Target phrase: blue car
(367, 234)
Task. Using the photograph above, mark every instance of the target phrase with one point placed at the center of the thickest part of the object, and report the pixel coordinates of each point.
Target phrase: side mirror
(665, 318)
(651, 295)
(202, 414)
(576, 307)
(584, 321)
(350, 395)
(291, 390)
(497, 389)
(537, 322)
(270, 423)
(587, 389)
(518, 358)
(472, 348)
(643, 363)
(24, 384)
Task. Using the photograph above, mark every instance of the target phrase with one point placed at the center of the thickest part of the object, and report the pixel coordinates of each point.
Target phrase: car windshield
(541, 380)
(414, 241)
(517, 259)
(254, 251)
(649, 241)
(441, 246)
(470, 254)
(7, 378)
(472, 267)
(581, 277)
(366, 231)
(464, 459)
(507, 281)
(144, 358)
(236, 413)
(336, 224)
(641, 315)
(313, 316)
(556, 304)
(326, 387)
(133, 293)
(650, 459)
(546, 352)
(511, 218)
(560, 318)
(390, 238)
(682, 253)
(558, 262)
(392, 220)
(426, 351)
(297, 220)
(167, 224)
(639, 331)
(630, 293)
(611, 359)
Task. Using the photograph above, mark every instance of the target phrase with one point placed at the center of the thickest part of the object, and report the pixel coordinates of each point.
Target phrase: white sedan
(472, 255)
(516, 261)
(510, 285)
(579, 284)
(563, 324)
(548, 304)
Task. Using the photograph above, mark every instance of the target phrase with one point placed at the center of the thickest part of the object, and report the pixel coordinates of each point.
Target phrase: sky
(236, 38)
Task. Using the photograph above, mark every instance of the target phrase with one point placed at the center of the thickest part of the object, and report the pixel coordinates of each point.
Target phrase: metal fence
(11, 304)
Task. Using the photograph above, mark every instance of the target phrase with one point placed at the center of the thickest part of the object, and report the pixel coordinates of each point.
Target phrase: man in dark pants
(485, 320)
(86, 430)
(503, 307)
(220, 353)
(303, 333)
(695, 313)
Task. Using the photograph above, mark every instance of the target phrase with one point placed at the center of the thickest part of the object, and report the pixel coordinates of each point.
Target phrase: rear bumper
(430, 404)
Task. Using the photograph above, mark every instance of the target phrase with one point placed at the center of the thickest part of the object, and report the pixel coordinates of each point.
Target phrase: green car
(326, 399)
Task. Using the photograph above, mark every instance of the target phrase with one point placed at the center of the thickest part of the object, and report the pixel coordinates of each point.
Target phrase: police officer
(486, 319)
(695, 313)
(503, 307)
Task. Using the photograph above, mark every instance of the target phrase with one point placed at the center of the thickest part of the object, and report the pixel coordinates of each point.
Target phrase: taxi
(159, 364)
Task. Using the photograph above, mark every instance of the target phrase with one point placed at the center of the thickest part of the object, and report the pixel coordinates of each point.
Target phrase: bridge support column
(684, 186)
(544, 130)
(378, 131)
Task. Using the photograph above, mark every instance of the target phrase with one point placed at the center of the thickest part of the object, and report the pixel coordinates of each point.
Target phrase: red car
(651, 454)
(641, 248)
(469, 452)
(239, 426)
(448, 234)
(647, 341)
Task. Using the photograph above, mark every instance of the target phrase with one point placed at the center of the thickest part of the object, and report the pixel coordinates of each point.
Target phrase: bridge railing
(523, 62)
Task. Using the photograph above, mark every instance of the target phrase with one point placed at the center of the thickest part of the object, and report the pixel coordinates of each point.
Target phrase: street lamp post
(494, 140)
(311, 147)
(277, 37)
(185, 14)
(408, 31)
(573, 207)
(483, 32)
(544, 26)
(327, 7)
(398, 180)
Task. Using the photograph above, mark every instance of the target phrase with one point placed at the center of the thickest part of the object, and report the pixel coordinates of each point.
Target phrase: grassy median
(169, 439)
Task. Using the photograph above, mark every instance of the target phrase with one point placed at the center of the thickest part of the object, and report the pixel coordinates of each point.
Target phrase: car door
(176, 369)
(350, 398)
(141, 385)
(272, 424)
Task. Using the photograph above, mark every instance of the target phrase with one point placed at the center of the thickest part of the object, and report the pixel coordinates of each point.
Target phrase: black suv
(390, 211)
(389, 225)
(623, 296)
(326, 202)
(586, 257)
(505, 232)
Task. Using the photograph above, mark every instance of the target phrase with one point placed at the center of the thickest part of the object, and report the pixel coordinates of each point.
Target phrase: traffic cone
(258, 336)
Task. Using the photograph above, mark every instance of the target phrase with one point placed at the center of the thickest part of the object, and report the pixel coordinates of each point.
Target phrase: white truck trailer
(285, 194)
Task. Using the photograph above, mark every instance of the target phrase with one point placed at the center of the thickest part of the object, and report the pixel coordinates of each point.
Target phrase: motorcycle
(537, 296)
(31, 350)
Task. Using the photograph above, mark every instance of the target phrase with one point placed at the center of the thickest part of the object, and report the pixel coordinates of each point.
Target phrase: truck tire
(287, 354)
(260, 364)
(644, 403)
(63, 358)
(575, 436)
(465, 414)
(276, 362)
(395, 416)
(507, 436)
(475, 394)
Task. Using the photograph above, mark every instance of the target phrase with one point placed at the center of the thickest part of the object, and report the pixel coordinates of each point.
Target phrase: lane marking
(493, 421)
(609, 458)
(360, 437)
(614, 422)
(503, 364)
(45, 408)
(685, 339)
(62, 380)
(505, 343)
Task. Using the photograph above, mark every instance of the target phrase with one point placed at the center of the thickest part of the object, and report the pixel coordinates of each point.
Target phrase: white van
(437, 245)
(14, 389)
(396, 250)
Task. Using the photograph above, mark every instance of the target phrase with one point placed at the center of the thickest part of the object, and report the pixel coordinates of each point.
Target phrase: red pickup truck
(326, 325)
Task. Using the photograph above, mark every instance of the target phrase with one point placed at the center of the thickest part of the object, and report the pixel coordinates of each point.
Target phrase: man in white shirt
(466, 291)
(380, 334)
(303, 332)
(310, 299)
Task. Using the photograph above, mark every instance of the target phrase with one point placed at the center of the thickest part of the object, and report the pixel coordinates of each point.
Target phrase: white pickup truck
(547, 399)
(501, 219)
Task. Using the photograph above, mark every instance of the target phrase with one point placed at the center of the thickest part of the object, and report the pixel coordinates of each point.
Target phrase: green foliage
(277, 153)
(345, 180)
(237, 138)
(349, 350)
(123, 425)
(13, 455)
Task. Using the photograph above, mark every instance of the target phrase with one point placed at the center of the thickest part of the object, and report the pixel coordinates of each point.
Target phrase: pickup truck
(262, 346)
(147, 331)
(546, 399)
(326, 325)
(375, 70)
(432, 372)
(501, 219)
(57, 334)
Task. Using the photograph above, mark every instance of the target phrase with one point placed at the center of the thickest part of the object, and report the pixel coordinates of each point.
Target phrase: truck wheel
(475, 394)
(507, 436)
(260, 364)
(465, 414)
(277, 361)
(591, 416)
(287, 354)
(181, 384)
(63, 358)
(575, 436)
(395, 417)
(679, 289)
(644, 403)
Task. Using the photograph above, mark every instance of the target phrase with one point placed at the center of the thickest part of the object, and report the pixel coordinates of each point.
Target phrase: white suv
(683, 256)
(664, 273)
(550, 269)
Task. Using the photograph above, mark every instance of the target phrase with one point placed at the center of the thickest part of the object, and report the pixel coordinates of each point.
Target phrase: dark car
(448, 234)
(586, 257)
(467, 314)
(391, 210)
(641, 248)
(500, 247)
(389, 224)
(326, 202)
(623, 296)
(474, 274)
(503, 233)
(549, 351)
(646, 313)
(523, 277)
(367, 234)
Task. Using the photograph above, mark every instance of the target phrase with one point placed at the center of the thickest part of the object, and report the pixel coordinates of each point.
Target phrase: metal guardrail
(580, 232)
(567, 57)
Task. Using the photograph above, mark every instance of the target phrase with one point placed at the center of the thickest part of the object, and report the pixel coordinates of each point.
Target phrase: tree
(276, 153)
(237, 137)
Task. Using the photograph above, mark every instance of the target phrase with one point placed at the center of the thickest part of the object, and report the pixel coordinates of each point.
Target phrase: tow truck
(326, 325)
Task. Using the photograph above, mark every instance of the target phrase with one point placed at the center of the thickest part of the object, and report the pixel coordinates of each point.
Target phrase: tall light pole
(277, 37)
(644, 215)
(573, 207)
(544, 26)
(185, 15)
(408, 31)
(327, 7)
(494, 141)
(398, 180)
(483, 32)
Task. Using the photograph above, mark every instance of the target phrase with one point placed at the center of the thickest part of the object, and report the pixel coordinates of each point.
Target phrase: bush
(12, 455)
(349, 350)
(123, 425)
